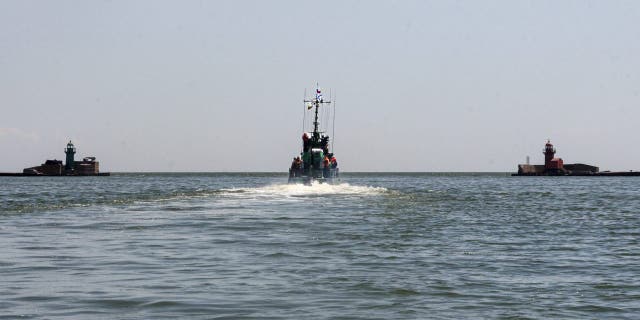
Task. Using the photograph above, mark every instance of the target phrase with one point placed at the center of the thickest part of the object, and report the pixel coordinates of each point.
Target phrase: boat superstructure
(316, 162)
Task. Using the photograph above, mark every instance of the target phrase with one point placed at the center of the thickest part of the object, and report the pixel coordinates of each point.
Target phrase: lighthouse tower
(549, 151)
(552, 164)
(70, 151)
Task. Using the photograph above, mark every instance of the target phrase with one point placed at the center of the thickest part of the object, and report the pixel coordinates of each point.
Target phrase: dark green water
(378, 246)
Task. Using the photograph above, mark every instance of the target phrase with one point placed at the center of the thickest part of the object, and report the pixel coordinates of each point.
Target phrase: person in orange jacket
(325, 166)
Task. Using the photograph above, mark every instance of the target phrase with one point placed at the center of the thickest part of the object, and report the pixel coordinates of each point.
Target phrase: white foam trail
(316, 189)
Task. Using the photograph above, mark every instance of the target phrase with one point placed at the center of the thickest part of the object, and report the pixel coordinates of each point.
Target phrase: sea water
(375, 246)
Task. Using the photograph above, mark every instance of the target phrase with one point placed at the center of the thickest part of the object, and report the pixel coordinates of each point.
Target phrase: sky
(418, 85)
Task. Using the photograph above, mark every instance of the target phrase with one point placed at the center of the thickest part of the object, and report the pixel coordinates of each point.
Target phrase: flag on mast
(318, 93)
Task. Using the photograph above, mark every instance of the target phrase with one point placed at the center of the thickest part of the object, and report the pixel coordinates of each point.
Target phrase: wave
(146, 197)
(300, 190)
(114, 199)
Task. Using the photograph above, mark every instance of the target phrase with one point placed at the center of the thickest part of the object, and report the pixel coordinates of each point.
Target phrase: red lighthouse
(549, 151)
(551, 163)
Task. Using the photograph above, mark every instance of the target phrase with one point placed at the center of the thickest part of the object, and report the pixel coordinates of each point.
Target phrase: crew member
(305, 142)
(325, 166)
(292, 170)
(334, 162)
(298, 167)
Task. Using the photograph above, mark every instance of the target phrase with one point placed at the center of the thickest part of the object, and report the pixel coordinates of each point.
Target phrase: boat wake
(316, 189)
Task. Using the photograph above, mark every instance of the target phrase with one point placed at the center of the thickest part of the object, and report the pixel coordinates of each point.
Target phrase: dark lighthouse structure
(87, 167)
(70, 151)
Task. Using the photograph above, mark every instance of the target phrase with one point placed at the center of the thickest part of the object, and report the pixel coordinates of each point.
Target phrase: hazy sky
(421, 85)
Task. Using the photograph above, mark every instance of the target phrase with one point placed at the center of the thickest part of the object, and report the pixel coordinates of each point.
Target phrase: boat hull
(318, 176)
(310, 180)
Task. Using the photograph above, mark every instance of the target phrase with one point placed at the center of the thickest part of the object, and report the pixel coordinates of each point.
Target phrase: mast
(315, 121)
(316, 103)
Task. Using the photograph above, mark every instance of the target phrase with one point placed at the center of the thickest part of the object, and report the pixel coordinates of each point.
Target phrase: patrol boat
(316, 162)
